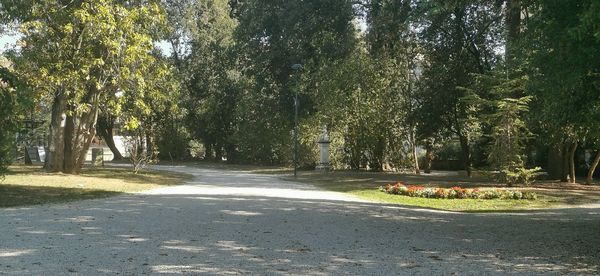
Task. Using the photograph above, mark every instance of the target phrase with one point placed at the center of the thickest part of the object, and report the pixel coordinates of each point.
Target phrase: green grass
(28, 185)
(463, 205)
(365, 185)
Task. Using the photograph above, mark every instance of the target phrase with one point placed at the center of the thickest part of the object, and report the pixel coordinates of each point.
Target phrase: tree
(390, 36)
(212, 79)
(271, 36)
(104, 128)
(459, 39)
(81, 55)
(11, 101)
(564, 76)
(501, 104)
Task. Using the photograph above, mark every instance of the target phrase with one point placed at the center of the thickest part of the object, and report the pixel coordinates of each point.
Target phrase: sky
(8, 41)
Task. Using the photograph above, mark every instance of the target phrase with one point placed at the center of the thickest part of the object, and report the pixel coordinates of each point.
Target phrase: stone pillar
(324, 142)
(97, 157)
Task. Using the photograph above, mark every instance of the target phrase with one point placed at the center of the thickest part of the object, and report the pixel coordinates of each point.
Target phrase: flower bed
(455, 192)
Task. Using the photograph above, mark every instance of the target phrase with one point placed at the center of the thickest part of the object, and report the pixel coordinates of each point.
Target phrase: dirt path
(228, 222)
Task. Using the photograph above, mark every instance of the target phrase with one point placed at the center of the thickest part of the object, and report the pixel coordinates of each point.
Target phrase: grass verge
(28, 185)
(365, 185)
(462, 205)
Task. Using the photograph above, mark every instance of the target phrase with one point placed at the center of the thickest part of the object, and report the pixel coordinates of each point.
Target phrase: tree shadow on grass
(19, 195)
(347, 180)
(164, 178)
(357, 182)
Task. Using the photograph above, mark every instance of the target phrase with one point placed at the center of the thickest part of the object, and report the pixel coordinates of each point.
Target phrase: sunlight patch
(15, 253)
(241, 213)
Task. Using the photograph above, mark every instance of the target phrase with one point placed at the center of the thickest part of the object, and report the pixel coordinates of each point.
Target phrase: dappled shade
(242, 231)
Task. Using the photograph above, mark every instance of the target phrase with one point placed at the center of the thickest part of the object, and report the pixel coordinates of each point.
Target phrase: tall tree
(81, 54)
(459, 39)
(564, 75)
(212, 78)
(271, 37)
(14, 98)
(391, 36)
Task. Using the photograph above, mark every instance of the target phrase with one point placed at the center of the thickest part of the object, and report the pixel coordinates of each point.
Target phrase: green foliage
(424, 73)
(520, 176)
(7, 121)
(86, 55)
(459, 39)
(270, 37)
(360, 99)
(501, 107)
(14, 100)
(564, 69)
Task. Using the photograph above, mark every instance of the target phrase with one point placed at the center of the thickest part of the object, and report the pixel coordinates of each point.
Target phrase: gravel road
(233, 222)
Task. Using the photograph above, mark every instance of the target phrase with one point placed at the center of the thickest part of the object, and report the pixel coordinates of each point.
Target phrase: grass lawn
(27, 185)
(463, 205)
(365, 185)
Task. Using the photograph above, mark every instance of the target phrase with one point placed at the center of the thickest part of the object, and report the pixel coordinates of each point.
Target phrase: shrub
(520, 176)
(529, 195)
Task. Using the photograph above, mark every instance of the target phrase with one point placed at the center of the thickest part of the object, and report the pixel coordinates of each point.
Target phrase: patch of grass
(365, 185)
(27, 185)
(233, 167)
(463, 205)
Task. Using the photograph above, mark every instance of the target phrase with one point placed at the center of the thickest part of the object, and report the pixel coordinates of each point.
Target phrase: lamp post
(296, 67)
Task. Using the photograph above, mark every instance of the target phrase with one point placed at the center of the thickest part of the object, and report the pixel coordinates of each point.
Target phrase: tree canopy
(499, 85)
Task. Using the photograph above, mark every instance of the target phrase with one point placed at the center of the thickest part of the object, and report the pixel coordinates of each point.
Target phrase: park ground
(364, 184)
(243, 220)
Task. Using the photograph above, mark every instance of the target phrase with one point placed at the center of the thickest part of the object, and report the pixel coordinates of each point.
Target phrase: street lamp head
(296, 66)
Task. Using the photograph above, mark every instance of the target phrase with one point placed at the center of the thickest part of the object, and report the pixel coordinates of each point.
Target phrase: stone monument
(324, 151)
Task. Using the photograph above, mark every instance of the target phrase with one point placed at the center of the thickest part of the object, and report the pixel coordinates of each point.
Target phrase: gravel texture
(228, 222)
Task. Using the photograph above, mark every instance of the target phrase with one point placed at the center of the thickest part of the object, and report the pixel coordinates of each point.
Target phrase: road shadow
(241, 234)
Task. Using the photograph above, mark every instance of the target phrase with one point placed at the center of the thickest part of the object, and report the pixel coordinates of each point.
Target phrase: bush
(9, 110)
(457, 192)
(520, 176)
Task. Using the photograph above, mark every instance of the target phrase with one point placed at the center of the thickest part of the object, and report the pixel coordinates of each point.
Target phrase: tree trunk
(417, 170)
(555, 162)
(414, 152)
(218, 152)
(564, 176)
(208, 154)
(27, 159)
(513, 27)
(56, 135)
(590, 176)
(85, 134)
(466, 156)
(105, 128)
(428, 158)
(68, 141)
(150, 145)
(231, 152)
(572, 177)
